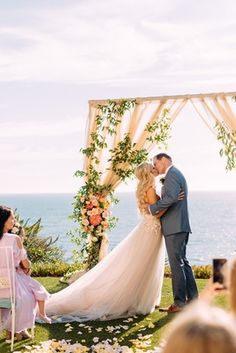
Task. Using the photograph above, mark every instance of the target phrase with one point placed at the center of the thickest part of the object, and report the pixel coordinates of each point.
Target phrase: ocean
(212, 216)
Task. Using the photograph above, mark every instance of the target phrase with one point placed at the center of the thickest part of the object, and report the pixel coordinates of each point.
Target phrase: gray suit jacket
(176, 219)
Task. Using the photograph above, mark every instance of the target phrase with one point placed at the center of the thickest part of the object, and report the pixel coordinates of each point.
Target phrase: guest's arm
(211, 290)
(25, 264)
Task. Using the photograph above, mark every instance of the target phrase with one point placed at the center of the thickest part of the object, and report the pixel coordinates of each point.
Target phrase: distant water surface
(212, 215)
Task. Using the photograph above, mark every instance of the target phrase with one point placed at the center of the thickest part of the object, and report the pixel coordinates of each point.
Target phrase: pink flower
(105, 214)
(89, 206)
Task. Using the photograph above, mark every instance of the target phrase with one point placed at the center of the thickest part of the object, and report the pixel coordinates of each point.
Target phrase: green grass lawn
(124, 330)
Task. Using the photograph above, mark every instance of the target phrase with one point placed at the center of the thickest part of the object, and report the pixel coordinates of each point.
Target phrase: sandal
(25, 334)
(46, 319)
(18, 336)
(8, 337)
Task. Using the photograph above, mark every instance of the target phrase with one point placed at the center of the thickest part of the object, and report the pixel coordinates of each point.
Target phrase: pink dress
(28, 291)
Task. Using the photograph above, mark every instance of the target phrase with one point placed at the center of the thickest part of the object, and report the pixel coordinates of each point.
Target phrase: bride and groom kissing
(129, 279)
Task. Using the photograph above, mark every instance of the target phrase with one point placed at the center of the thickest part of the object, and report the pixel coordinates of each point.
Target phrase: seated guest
(28, 291)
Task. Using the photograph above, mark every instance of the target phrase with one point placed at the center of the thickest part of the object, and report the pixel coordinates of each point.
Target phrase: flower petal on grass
(68, 327)
(99, 329)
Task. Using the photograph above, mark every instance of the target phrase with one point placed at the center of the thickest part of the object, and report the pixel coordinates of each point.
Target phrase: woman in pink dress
(28, 291)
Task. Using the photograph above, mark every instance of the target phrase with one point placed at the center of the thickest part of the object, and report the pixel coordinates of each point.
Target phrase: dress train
(127, 281)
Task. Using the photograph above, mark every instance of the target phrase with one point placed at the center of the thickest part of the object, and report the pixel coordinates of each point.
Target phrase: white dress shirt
(167, 170)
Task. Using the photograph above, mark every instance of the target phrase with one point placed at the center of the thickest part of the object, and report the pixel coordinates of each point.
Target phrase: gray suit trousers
(183, 282)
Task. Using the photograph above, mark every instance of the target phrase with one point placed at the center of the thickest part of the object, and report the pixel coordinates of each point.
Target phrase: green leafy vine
(93, 200)
(228, 140)
(159, 130)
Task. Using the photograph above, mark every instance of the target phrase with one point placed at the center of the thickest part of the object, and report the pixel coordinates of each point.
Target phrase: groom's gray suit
(176, 229)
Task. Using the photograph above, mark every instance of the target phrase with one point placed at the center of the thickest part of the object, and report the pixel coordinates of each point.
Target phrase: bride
(129, 279)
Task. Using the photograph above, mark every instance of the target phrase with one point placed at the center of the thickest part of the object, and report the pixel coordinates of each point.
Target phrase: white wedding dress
(127, 281)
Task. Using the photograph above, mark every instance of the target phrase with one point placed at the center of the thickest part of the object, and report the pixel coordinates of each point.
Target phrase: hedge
(61, 268)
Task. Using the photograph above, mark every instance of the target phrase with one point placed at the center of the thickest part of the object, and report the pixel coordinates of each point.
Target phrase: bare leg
(42, 313)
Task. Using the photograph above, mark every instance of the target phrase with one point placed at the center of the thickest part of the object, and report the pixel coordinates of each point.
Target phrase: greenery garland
(93, 200)
(228, 139)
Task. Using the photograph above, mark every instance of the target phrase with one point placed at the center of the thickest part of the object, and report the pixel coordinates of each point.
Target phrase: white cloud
(34, 128)
(49, 50)
(99, 41)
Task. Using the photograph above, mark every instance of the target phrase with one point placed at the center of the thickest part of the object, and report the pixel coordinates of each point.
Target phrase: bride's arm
(152, 198)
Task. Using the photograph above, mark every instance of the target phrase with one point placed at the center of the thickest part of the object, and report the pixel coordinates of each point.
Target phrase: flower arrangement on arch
(94, 216)
(95, 219)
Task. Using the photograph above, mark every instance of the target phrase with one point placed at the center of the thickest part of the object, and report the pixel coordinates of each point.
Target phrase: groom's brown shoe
(172, 309)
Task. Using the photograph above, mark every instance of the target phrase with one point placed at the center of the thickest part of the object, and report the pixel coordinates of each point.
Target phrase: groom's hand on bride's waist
(181, 197)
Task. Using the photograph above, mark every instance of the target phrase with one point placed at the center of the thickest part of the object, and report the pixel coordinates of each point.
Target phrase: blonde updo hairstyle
(146, 181)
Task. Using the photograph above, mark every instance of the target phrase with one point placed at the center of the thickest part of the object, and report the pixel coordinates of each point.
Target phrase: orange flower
(95, 219)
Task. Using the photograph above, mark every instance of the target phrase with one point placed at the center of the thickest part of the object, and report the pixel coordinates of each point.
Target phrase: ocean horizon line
(118, 192)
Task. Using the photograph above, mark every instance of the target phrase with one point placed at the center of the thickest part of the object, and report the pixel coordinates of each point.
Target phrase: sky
(56, 55)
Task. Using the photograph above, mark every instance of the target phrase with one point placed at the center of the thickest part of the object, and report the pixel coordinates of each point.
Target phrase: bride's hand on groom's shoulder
(181, 196)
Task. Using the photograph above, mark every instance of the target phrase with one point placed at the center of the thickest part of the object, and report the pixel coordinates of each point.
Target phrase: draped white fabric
(212, 108)
(216, 109)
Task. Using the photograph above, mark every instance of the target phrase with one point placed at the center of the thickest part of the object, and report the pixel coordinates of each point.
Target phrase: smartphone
(217, 270)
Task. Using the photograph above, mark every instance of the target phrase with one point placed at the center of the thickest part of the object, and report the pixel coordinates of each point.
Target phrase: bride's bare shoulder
(152, 196)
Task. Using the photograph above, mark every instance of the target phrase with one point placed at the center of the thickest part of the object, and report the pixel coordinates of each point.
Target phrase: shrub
(39, 249)
(203, 271)
(53, 269)
(61, 268)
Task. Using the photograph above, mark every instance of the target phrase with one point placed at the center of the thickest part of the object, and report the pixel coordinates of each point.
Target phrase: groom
(176, 229)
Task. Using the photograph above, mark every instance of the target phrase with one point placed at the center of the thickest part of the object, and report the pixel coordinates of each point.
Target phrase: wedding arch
(120, 134)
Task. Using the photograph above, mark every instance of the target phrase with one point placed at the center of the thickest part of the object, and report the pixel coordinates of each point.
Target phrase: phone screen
(217, 270)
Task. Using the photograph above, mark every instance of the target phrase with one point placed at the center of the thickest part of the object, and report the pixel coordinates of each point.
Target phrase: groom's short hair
(161, 155)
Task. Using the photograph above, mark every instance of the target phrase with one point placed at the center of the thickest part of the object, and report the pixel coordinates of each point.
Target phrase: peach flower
(85, 222)
(96, 211)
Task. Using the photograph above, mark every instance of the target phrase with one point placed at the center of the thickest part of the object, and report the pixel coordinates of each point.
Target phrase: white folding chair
(7, 286)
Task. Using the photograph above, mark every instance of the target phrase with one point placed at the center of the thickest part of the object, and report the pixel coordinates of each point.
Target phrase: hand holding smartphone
(217, 271)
